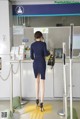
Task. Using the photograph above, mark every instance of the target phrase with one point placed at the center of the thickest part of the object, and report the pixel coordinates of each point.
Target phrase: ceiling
(42, 1)
(33, 2)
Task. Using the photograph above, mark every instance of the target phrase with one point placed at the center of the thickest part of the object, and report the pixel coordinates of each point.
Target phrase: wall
(5, 42)
(4, 25)
(54, 39)
(47, 21)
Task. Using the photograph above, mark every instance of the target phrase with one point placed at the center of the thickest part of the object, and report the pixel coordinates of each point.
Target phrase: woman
(38, 53)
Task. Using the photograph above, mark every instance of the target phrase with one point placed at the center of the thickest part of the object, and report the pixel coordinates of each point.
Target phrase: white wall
(4, 25)
(5, 37)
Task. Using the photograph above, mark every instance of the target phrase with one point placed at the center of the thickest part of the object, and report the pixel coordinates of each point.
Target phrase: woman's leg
(37, 82)
(42, 89)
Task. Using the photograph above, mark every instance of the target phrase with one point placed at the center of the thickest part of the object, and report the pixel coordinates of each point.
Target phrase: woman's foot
(37, 102)
(41, 107)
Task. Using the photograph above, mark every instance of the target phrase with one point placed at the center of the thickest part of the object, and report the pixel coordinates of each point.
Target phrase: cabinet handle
(72, 85)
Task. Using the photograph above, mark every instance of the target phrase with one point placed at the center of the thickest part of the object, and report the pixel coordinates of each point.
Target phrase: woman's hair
(38, 34)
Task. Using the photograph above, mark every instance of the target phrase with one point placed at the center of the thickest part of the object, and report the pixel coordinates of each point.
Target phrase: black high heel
(37, 102)
(41, 106)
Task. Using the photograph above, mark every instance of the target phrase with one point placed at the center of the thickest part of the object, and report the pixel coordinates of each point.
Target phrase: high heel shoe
(37, 102)
(41, 106)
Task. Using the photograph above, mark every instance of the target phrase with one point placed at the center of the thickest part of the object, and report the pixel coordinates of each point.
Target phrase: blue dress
(38, 53)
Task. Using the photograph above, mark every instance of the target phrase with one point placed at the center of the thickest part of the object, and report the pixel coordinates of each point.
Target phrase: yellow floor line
(35, 113)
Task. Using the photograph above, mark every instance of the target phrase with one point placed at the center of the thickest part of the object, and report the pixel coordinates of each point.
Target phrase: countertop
(57, 60)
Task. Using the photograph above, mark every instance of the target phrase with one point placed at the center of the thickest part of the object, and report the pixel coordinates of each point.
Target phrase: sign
(18, 30)
(19, 10)
(47, 10)
(76, 42)
(43, 30)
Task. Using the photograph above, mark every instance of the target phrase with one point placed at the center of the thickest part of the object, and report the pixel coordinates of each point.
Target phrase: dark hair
(38, 34)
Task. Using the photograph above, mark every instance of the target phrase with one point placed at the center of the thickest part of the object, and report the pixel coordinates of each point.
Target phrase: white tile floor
(51, 109)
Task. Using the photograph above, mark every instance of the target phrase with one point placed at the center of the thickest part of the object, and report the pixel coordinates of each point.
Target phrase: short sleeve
(46, 52)
(31, 53)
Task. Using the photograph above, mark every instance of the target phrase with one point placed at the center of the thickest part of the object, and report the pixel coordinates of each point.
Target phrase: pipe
(11, 88)
(71, 53)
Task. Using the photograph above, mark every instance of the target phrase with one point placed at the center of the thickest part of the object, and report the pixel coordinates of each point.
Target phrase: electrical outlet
(3, 115)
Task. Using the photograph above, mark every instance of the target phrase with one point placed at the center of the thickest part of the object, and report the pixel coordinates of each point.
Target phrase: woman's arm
(46, 52)
(32, 53)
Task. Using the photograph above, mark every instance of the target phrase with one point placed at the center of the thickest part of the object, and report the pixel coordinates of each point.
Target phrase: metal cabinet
(49, 82)
(28, 81)
(58, 80)
(75, 79)
(53, 82)
(16, 79)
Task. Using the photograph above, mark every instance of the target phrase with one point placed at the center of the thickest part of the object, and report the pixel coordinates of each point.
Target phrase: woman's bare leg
(37, 82)
(42, 89)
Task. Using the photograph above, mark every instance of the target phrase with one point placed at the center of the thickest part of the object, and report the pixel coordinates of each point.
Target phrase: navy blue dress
(38, 53)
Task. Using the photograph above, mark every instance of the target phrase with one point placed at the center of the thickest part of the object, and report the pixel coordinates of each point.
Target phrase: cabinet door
(16, 79)
(58, 80)
(28, 80)
(76, 79)
(49, 82)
